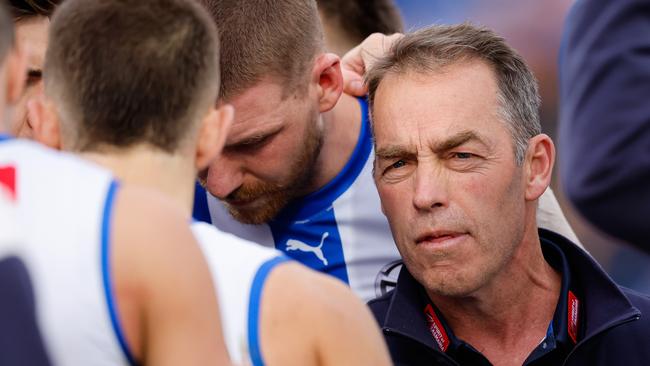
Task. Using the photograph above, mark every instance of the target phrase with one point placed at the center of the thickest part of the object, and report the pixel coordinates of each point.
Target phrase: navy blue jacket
(614, 323)
(604, 131)
(20, 339)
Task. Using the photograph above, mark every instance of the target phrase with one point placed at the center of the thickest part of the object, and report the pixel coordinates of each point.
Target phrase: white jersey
(239, 271)
(65, 206)
(340, 229)
(9, 233)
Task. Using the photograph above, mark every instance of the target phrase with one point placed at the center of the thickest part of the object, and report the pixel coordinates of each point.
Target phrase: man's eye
(250, 145)
(462, 155)
(398, 164)
(33, 77)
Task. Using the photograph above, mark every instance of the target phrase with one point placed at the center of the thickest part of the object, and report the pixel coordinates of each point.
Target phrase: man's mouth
(240, 202)
(440, 237)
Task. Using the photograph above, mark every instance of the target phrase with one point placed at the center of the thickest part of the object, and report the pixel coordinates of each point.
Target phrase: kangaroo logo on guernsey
(293, 244)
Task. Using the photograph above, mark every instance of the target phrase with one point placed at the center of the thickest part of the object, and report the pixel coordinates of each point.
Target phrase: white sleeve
(551, 217)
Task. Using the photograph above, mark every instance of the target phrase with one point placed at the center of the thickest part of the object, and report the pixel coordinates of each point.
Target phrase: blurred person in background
(31, 20)
(346, 23)
(20, 338)
(605, 116)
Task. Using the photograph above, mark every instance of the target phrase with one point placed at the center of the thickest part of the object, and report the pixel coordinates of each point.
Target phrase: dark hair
(22, 9)
(275, 39)
(360, 18)
(432, 48)
(126, 72)
(6, 33)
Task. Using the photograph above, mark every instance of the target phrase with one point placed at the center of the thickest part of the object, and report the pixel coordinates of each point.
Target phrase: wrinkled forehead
(459, 98)
(262, 108)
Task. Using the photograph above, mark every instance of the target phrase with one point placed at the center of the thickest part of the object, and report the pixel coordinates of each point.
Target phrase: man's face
(447, 177)
(270, 153)
(30, 33)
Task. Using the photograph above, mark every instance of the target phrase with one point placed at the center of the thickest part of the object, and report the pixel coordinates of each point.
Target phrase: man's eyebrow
(457, 140)
(393, 151)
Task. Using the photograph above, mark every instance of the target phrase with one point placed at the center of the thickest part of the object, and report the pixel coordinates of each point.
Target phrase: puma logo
(293, 244)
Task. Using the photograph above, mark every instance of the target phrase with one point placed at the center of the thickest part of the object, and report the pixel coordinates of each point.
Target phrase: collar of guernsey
(411, 315)
(322, 199)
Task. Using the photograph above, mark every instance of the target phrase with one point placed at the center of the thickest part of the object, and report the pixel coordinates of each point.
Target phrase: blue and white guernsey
(239, 271)
(339, 230)
(65, 205)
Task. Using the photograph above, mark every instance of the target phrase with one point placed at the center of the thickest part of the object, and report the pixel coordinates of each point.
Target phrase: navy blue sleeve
(20, 340)
(200, 211)
(605, 116)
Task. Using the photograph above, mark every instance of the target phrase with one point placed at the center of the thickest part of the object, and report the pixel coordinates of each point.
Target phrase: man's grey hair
(431, 49)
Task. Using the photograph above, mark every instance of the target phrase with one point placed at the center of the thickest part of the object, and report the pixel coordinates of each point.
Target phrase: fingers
(355, 63)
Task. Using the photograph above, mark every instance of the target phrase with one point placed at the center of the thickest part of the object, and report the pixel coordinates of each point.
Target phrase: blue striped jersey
(339, 229)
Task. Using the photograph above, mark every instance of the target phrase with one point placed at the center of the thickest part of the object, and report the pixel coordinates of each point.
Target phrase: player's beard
(278, 196)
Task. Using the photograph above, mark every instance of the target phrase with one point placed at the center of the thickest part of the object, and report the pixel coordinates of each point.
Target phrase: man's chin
(256, 213)
(250, 217)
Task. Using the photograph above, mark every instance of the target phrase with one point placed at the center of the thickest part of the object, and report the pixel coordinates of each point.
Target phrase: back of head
(432, 48)
(25, 9)
(6, 33)
(127, 72)
(357, 19)
(262, 39)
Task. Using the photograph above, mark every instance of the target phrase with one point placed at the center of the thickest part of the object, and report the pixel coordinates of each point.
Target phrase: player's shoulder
(309, 290)
(39, 162)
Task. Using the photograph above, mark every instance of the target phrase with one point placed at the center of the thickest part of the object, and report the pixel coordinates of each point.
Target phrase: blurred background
(534, 28)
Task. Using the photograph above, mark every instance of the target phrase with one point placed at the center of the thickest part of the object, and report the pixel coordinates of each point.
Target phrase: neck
(341, 128)
(514, 310)
(171, 174)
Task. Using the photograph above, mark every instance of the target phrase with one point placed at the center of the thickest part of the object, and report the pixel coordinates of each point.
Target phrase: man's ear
(215, 127)
(16, 73)
(327, 75)
(45, 122)
(538, 165)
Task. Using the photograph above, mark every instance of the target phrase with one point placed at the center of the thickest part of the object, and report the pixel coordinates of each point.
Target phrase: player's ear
(538, 166)
(326, 74)
(16, 71)
(212, 134)
(45, 122)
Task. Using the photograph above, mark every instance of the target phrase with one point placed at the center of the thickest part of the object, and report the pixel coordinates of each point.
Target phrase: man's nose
(224, 176)
(431, 188)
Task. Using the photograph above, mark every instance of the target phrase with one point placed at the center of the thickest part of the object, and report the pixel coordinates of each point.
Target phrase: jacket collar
(405, 314)
(609, 305)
